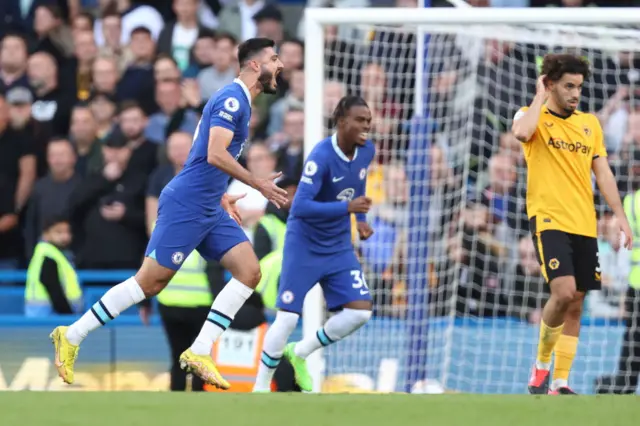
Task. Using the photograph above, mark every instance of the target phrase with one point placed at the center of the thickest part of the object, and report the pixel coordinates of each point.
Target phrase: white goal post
(590, 29)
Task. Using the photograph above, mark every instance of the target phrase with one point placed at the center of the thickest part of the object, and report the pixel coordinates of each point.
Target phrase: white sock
(337, 327)
(543, 365)
(272, 348)
(223, 310)
(114, 301)
(559, 383)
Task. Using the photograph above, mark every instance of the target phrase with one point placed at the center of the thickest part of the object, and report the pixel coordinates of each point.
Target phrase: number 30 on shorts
(359, 282)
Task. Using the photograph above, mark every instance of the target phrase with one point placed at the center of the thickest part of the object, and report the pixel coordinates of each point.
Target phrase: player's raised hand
(228, 203)
(541, 87)
(364, 230)
(628, 234)
(271, 191)
(361, 204)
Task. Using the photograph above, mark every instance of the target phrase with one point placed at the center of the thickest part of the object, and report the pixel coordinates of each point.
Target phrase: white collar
(245, 89)
(336, 148)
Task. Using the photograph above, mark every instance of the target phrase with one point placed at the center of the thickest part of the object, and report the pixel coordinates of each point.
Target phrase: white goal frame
(316, 18)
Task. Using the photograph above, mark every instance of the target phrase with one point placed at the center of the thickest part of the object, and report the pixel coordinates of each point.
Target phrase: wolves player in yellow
(562, 146)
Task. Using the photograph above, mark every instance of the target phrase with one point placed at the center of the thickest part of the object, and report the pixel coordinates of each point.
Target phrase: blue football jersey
(319, 220)
(200, 186)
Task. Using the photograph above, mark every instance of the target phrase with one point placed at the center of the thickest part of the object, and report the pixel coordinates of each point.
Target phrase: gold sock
(547, 341)
(565, 352)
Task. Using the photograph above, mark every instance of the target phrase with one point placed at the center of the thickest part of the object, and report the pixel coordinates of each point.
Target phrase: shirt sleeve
(304, 205)
(226, 112)
(600, 150)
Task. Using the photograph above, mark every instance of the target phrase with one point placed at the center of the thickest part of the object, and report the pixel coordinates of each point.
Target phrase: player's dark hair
(248, 49)
(554, 66)
(345, 104)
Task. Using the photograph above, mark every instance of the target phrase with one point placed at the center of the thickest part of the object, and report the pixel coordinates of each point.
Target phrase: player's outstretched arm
(526, 122)
(218, 156)
(609, 189)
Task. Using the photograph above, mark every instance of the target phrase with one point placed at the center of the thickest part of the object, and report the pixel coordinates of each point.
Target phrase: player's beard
(265, 79)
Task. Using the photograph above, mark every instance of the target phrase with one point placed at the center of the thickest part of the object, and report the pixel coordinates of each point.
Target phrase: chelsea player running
(318, 245)
(195, 213)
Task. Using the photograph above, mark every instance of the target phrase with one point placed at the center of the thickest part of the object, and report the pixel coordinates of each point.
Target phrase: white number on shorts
(358, 279)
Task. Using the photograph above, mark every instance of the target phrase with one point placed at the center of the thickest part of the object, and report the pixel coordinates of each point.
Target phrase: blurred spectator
(528, 292)
(52, 103)
(17, 176)
(340, 57)
(270, 24)
(107, 209)
(132, 122)
(82, 134)
(20, 100)
(81, 65)
(333, 92)
(223, 70)
(19, 15)
(178, 147)
(168, 97)
(165, 68)
(290, 154)
(133, 16)
(105, 75)
(137, 82)
(293, 99)
(53, 35)
(291, 54)
(13, 62)
(103, 108)
(51, 193)
(236, 18)
(608, 302)
(52, 285)
(266, 237)
(83, 21)
(113, 47)
(203, 54)
(177, 38)
(260, 162)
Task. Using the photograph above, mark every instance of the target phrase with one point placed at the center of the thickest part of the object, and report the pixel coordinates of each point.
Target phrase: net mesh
(457, 289)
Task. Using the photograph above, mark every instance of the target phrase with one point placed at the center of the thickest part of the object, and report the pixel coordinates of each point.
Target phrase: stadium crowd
(100, 100)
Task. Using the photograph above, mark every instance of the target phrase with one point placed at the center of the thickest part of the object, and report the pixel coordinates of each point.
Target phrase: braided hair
(345, 104)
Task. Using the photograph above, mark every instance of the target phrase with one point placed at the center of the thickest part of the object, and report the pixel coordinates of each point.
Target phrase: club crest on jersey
(310, 168)
(287, 297)
(346, 194)
(231, 104)
(587, 131)
(363, 173)
(177, 257)
(554, 264)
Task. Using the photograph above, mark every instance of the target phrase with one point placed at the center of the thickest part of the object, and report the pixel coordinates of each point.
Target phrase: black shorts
(561, 253)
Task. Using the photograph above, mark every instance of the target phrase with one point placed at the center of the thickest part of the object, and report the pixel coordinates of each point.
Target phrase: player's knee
(250, 275)
(564, 291)
(152, 280)
(360, 316)
(574, 311)
(286, 321)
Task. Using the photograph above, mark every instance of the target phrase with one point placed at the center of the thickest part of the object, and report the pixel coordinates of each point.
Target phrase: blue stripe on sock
(100, 313)
(323, 338)
(219, 319)
(269, 361)
(104, 308)
(93, 311)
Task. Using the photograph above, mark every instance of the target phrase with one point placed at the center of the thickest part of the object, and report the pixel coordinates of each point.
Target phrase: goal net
(456, 285)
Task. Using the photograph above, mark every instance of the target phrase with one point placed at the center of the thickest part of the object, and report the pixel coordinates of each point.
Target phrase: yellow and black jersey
(559, 156)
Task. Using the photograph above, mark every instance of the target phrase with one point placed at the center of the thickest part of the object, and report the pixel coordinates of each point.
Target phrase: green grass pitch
(187, 409)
